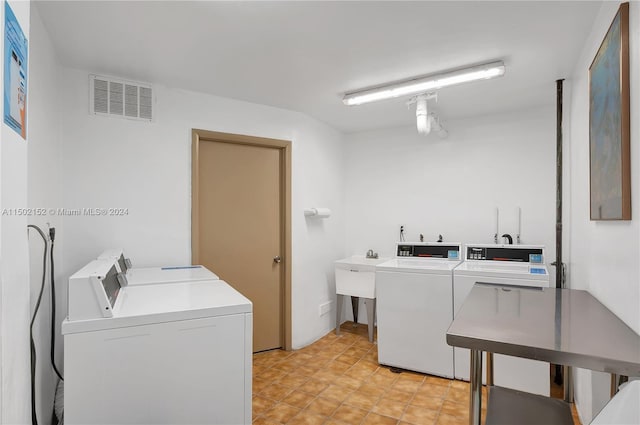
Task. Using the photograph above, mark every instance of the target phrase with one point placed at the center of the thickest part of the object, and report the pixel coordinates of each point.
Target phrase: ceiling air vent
(120, 98)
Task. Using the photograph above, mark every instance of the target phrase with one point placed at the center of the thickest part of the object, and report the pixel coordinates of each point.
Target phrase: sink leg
(354, 308)
(339, 301)
(371, 315)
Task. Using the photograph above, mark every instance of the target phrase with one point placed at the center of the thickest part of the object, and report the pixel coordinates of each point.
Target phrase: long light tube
(425, 83)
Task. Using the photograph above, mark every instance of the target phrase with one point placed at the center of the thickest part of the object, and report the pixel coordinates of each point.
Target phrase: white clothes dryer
(150, 275)
(174, 353)
(506, 265)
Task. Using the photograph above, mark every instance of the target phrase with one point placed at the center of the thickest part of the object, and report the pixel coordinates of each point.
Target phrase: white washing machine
(415, 307)
(175, 353)
(507, 265)
(149, 275)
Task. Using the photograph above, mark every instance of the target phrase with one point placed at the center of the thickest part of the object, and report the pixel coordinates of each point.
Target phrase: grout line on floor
(325, 352)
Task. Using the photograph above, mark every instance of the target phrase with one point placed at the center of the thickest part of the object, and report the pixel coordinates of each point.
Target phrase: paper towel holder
(317, 212)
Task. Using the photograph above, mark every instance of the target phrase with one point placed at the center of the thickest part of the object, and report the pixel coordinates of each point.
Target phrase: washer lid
(507, 270)
(418, 265)
(147, 275)
(150, 304)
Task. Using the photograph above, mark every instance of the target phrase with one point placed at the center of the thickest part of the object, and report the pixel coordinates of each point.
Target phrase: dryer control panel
(513, 253)
(117, 254)
(93, 290)
(429, 250)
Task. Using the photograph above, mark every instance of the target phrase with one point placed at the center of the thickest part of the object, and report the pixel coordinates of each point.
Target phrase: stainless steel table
(560, 326)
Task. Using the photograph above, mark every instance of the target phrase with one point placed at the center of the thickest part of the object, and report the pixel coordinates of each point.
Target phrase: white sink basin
(355, 276)
(361, 262)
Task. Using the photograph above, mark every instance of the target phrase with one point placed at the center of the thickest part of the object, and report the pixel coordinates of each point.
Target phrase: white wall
(453, 186)
(144, 167)
(14, 259)
(44, 190)
(603, 256)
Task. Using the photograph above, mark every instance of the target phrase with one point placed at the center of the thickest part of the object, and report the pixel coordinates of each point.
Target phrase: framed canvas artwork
(610, 174)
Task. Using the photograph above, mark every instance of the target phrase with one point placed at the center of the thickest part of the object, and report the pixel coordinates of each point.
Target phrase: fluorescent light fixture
(425, 83)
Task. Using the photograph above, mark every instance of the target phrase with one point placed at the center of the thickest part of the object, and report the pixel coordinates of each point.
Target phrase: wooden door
(240, 221)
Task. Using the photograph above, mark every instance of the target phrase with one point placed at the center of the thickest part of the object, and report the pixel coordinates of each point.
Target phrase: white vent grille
(131, 100)
(120, 98)
(115, 98)
(146, 102)
(101, 96)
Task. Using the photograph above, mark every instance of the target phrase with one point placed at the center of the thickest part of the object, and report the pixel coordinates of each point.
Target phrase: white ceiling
(303, 56)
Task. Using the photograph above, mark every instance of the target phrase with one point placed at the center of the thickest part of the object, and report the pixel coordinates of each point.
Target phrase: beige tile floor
(337, 380)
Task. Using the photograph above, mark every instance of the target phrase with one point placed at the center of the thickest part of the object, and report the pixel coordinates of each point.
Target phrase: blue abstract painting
(608, 160)
(15, 74)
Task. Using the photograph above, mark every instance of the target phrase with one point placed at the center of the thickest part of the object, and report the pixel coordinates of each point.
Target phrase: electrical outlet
(325, 308)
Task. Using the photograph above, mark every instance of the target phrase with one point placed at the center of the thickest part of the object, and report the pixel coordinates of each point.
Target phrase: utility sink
(360, 260)
(355, 276)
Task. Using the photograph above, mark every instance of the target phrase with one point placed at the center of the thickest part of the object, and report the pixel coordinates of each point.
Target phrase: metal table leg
(489, 372)
(616, 381)
(475, 388)
(568, 383)
(614, 385)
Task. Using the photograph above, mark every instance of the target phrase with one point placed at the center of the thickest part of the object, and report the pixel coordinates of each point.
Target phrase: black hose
(34, 416)
(52, 235)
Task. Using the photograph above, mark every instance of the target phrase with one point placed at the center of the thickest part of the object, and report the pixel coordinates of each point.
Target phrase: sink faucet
(371, 254)
(508, 238)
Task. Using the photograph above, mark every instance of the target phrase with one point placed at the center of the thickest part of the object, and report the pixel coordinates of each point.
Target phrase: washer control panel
(429, 250)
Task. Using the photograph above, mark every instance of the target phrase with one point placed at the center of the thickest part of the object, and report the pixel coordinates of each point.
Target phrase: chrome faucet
(371, 254)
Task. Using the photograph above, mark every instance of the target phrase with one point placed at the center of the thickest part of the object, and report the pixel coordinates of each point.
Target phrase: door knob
(277, 259)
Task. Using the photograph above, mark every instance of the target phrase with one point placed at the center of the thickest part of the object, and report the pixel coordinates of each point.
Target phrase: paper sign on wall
(15, 74)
